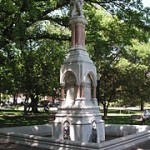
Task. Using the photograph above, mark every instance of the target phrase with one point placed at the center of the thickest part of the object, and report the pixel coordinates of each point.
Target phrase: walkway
(144, 146)
(11, 146)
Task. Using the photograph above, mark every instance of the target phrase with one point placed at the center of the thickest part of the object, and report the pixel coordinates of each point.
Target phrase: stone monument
(78, 117)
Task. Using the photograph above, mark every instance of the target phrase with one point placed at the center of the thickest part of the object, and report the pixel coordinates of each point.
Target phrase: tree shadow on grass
(13, 121)
(122, 120)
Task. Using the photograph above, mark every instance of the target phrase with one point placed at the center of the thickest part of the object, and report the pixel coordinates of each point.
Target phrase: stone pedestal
(84, 122)
(78, 117)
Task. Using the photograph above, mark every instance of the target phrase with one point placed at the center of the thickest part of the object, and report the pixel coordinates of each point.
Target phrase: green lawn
(11, 118)
(11, 121)
(118, 120)
(123, 120)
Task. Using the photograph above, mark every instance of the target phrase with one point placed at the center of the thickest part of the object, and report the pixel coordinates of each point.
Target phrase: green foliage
(34, 37)
(121, 60)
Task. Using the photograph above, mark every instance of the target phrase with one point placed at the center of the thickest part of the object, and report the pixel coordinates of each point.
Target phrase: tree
(133, 68)
(30, 50)
(41, 70)
(111, 39)
(25, 25)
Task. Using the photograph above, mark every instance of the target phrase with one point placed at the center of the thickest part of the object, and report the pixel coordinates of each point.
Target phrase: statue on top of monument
(76, 8)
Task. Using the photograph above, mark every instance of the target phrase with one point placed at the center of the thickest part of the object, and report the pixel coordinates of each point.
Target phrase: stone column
(78, 31)
(78, 37)
(82, 90)
(63, 92)
(78, 91)
(94, 92)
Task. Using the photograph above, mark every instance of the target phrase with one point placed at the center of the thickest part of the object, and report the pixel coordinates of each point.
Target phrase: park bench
(137, 118)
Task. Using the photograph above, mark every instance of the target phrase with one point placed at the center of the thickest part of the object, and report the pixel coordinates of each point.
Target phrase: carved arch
(66, 74)
(90, 85)
(92, 77)
(69, 82)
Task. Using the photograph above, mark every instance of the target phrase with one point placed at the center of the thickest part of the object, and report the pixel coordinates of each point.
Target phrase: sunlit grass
(7, 121)
(11, 118)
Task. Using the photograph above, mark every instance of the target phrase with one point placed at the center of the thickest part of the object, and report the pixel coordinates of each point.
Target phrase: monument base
(81, 121)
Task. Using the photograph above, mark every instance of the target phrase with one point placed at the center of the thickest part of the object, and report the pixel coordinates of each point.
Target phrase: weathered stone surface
(125, 143)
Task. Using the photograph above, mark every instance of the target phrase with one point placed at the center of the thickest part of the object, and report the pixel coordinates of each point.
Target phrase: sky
(146, 3)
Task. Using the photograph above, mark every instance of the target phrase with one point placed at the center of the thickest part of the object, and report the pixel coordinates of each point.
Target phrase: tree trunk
(34, 103)
(98, 92)
(0, 98)
(142, 104)
(105, 110)
(14, 99)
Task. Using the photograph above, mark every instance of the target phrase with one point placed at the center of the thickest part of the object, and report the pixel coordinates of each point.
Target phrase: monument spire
(78, 117)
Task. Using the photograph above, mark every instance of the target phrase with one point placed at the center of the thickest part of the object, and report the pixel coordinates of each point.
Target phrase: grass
(123, 120)
(118, 120)
(123, 117)
(12, 118)
(11, 121)
(8, 112)
(114, 111)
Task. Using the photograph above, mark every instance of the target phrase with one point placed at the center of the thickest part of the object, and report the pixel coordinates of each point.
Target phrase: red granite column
(82, 90)
(63, 93)
(73, 42)
(78, 91)
(78, 32)
(94, 92)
